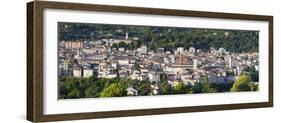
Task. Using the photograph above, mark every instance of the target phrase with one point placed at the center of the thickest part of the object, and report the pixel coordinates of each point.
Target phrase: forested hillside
(167, 37)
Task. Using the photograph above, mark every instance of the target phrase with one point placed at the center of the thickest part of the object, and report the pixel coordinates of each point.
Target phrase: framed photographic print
(97, 61)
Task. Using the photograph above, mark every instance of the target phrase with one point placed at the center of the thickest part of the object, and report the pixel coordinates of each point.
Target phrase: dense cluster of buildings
(189, 66)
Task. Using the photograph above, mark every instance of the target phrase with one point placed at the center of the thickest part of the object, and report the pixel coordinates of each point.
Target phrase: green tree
(241, 83)
(113, 90)
(74, 94)
(180, 89)
(207, 88)
(92, 91)
(165, 88)
(222, 87)
(253, 86)
(164, 77)
(144, 88)
(197, 88)
(229, 73)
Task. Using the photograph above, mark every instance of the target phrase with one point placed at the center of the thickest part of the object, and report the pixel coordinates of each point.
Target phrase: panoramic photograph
(106, 60)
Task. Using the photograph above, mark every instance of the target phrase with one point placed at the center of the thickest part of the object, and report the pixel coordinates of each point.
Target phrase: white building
(87, 72)
(135, 75)
(192, 50)
(97, 56)
(229, 61)
(107, 75)
(131, 91)
(77, 72)
(127, 36)
(121, 49)
(195, 64)
(173, 59)
(123, 61)
(222, 51)
(180, 50)
(177, 68)
(154, 76)
(114, 65)
(143, 49)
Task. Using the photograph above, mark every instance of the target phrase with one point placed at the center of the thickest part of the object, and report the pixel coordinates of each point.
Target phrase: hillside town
(189, 66)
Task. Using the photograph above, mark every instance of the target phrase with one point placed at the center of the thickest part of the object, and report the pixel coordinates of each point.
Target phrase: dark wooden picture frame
(35, 60)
